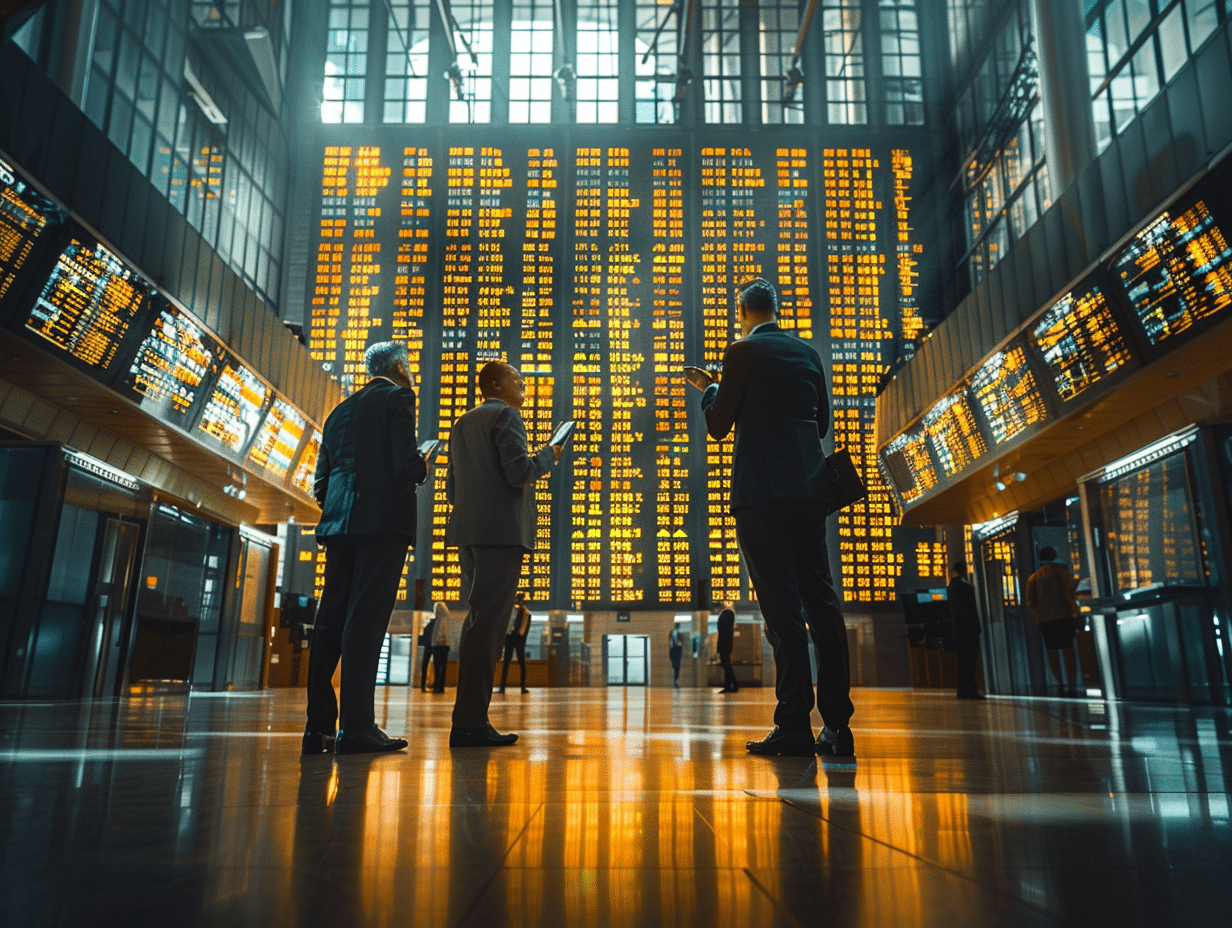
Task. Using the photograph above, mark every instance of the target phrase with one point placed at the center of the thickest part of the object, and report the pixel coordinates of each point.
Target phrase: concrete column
(1065, 89)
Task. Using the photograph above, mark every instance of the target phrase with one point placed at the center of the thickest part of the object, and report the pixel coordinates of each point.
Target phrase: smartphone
(698, 377)
(562, 433)
(430, 449)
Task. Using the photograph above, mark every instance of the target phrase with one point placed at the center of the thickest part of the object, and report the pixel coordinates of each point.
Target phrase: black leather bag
(843, 485)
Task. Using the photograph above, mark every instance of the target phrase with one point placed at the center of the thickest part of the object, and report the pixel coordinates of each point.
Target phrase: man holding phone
(774, 393)
(490, 484)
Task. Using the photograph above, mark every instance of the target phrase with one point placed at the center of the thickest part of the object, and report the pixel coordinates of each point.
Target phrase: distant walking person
(440, 647)
(675, 651)
(425, 642)
(774, 393)
(490, 485)
(367, 471)
(1050, 597)
(961, 597)
(727, 635)
(515, 640)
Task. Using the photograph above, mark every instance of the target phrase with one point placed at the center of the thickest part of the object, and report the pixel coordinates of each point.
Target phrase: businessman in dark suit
(961, 596)
(367, 471)
(774, 393)
(490, 485)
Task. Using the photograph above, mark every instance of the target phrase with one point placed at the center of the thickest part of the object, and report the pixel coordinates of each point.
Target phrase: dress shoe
(317, 743)
(836, 744)
(485, 737)
(970, 696)
(525, 690)
(779, 742)
(373, 741)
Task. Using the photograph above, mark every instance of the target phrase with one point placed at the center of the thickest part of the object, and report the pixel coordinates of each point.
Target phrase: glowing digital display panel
(88, 305)
(174, 366)
(1177, 271)
(25, 217)
(953, 432)
(278, 439)
(600, 266)
(306, 466)
(1080, 341)
(1005, 389)
(233, 411)
(910, 464)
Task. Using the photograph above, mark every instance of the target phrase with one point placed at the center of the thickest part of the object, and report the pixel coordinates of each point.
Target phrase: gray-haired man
(367, 471)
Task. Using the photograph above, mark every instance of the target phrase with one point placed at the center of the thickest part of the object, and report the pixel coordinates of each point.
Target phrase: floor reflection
(617, 807)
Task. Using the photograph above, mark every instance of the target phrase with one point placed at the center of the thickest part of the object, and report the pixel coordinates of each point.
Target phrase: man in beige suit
(490, 485)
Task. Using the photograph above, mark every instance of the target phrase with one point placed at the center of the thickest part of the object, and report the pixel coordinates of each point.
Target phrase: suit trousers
(515, 644)
(968, 647)
(490, 575)
(361, 584)
(784, 545)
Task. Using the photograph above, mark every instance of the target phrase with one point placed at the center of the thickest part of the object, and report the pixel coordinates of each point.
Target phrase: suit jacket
(774, 392)
(369, 466)
(966, 614)
(491, 478)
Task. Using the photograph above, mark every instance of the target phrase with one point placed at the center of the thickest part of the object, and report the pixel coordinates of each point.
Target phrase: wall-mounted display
(233, 411)
(910, 464)
(306, 466)
(954, 433)
(175, 366)
(25, 220)
(278, 439)
(1080, 340)
(1007, 394)
(1177, 271)
(600, 265)
(88, 305)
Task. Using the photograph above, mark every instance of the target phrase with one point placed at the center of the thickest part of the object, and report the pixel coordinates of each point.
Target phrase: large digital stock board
(599, 264)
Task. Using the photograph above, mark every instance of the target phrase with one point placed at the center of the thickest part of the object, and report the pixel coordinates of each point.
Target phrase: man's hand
(708, 396)
(556, 450)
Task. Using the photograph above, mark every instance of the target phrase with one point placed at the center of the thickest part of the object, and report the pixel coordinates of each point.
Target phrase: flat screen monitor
(233, 411)
(175, 366)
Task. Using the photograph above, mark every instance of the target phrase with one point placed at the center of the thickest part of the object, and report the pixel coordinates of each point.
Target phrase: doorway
(626, 658)
(111, 623)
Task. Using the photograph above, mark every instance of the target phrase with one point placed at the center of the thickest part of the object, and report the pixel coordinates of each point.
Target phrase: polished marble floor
(618, 807)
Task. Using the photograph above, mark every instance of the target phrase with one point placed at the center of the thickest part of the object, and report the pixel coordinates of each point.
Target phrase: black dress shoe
(373, 741)
(779, 742)
(317, 743)
(486, 737)
(525, 690)
(838, 744)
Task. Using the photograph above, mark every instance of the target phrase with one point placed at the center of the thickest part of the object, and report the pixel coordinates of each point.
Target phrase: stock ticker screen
(599, 271)
(26, 218)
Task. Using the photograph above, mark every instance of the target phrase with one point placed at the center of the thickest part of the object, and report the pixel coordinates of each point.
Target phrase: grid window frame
(531, 61)
(598, 62)
(721, 66)
(655, 79)
(405, 94)
(843, 39)
(346, 62)
(778, 28)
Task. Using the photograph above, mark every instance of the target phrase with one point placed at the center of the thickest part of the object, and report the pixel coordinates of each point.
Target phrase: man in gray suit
(490, 484)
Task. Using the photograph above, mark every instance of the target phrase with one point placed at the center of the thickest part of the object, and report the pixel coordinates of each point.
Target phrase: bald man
(490, 485)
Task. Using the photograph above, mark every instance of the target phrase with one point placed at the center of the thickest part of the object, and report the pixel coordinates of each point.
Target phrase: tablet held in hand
(698, 377)
(562, 433)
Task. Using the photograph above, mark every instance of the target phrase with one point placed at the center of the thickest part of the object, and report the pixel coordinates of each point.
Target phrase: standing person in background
(515, 641)
(961, 596)
(491, 486)
(425, 641)
(774, 393)
(368, 469)
(440, 646)
(726, 640)
(1050, 597)
(675, 651)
